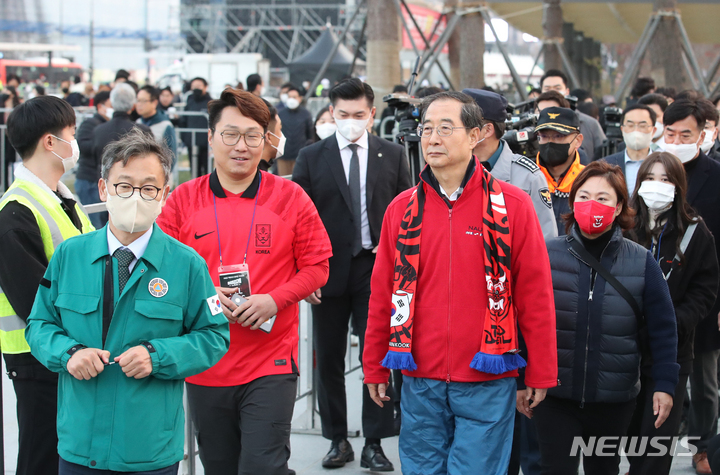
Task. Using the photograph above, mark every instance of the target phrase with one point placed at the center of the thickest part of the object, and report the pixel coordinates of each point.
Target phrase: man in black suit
(684, 122)
(351, 177)
(638, 128)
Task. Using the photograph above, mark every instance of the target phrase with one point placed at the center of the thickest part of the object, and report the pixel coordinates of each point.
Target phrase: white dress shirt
(137, 247)
(631, 170)
(456, 194)
(346, 155)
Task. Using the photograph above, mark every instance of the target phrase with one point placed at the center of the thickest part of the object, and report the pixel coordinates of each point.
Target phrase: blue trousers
(456, 428)
(67, 468)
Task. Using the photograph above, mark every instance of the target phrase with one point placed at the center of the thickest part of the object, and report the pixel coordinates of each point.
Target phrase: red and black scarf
(498, 352)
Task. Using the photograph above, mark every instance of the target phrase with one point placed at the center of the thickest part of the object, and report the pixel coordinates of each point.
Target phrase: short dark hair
(638, 106)
(655, 98)
(581, 94)
(690, 94)
(34, 118)
(134, 85)
(470, 114)
(40, 90)
(589, 108)
(614, 176)
(669, 92)
(684, 108)
(10, 77)
(249, 105)
(424, 92)
(135, 144)
(498, 127)
(198, 78)
(272, 110)
(253, 81)
(166, 88)
(351, 89)
(554, 73)
(553, 96)
(153, 91)
(101, 98)
(122, 74)
(288, 85)
(292, 87)
(642, 86)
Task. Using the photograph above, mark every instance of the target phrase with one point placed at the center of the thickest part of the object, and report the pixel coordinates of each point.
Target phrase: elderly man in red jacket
(461, 265)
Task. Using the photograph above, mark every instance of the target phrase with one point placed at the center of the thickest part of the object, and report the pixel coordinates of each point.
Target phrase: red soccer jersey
(287, 235)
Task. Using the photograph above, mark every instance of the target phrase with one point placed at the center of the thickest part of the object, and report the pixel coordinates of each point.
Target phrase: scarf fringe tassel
(395, 360)
(496, 364)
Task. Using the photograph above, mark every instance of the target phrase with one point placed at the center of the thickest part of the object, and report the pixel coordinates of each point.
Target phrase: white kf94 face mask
(351, 129)
(657, 195)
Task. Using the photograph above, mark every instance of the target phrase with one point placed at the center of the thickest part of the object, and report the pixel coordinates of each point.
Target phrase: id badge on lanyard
(236, 277)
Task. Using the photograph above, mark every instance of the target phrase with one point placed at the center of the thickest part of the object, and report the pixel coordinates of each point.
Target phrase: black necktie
(354, 184)
(124, 257)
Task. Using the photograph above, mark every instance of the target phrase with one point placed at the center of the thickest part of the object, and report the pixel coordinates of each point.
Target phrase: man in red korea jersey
(262, 237)
(461, 265)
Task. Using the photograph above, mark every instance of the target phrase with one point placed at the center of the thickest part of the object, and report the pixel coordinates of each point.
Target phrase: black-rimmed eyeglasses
(147, 192)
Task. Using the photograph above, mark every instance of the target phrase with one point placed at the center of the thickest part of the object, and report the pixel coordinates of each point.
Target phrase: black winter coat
(597, 330)
(195, 121)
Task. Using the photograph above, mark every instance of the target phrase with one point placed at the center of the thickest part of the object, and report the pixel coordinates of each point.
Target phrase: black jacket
(704, 195)
(297, 126)
(693, 285)
(597, 330)
(88, 167)
(319, 170)
(195, 121)
(110, 131)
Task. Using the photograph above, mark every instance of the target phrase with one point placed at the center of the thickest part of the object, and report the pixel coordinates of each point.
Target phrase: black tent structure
(305, 67)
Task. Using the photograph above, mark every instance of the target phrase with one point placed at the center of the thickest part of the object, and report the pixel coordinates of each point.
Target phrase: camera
(407, 116)
(520, 134)
(612, 118)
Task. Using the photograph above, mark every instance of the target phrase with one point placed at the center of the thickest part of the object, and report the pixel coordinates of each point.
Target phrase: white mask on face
(709, 140)
(684, 151)
(659, 129)
(132, 214)
(281, 145)
(109, 112)
(284, 98)
(69, 162)
(325, 130)
(658, 196)
(637, 140)
(351, 129)
(292, 103)
(263, 91)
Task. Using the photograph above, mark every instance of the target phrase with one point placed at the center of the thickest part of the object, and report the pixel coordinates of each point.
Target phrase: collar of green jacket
(153, 254)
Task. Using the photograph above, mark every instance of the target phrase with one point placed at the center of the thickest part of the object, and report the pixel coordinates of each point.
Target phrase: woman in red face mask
(608, 290)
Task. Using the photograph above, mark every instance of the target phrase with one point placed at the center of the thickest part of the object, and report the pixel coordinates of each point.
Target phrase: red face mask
(593, 217)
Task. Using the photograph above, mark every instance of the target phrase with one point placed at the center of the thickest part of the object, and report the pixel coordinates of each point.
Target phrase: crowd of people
(558, 299)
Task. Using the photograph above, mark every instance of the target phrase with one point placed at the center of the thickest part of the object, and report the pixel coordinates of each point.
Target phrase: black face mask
(65, 90)
(197, 93)
(554, 154)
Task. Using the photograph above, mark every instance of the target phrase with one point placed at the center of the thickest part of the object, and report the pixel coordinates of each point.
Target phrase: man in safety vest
(37, 213)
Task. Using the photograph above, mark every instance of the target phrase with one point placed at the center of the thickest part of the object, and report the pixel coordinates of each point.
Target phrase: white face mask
(637, 140)
(284, 98)
(280, 146)
(658, 196)
(263, 90)
(69, 162)
(659, 129)
(709, 140)
(132, 214)
(684, 151)
(292, 103)
(109, 111)
(351, 129)
(325, 130)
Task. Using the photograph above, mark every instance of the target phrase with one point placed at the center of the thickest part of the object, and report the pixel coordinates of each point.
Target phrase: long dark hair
(614, 176)
(680, 214)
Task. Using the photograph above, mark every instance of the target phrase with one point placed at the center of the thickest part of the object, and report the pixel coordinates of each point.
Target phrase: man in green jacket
(124, 314)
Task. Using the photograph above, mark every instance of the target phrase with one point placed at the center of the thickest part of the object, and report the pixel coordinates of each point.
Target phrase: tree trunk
(666, 52)
(383, 49)
(472, 48)
(552, 23)
(453, 47)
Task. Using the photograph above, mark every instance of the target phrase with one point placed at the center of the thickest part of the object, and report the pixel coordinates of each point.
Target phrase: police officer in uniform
(495, 154)
(37, 213)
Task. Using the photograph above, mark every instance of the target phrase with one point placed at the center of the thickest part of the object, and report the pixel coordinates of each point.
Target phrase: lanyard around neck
(252, 221)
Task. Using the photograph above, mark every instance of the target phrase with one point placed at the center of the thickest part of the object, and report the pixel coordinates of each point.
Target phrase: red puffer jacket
(451, 296)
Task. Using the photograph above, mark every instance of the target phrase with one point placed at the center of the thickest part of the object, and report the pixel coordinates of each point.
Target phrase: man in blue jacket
(148, 98)
(124, 314)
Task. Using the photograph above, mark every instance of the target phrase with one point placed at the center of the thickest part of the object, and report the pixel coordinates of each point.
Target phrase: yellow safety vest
(55, 226)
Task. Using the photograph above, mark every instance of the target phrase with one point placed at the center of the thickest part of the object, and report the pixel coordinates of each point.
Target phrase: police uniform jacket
(524, 173)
